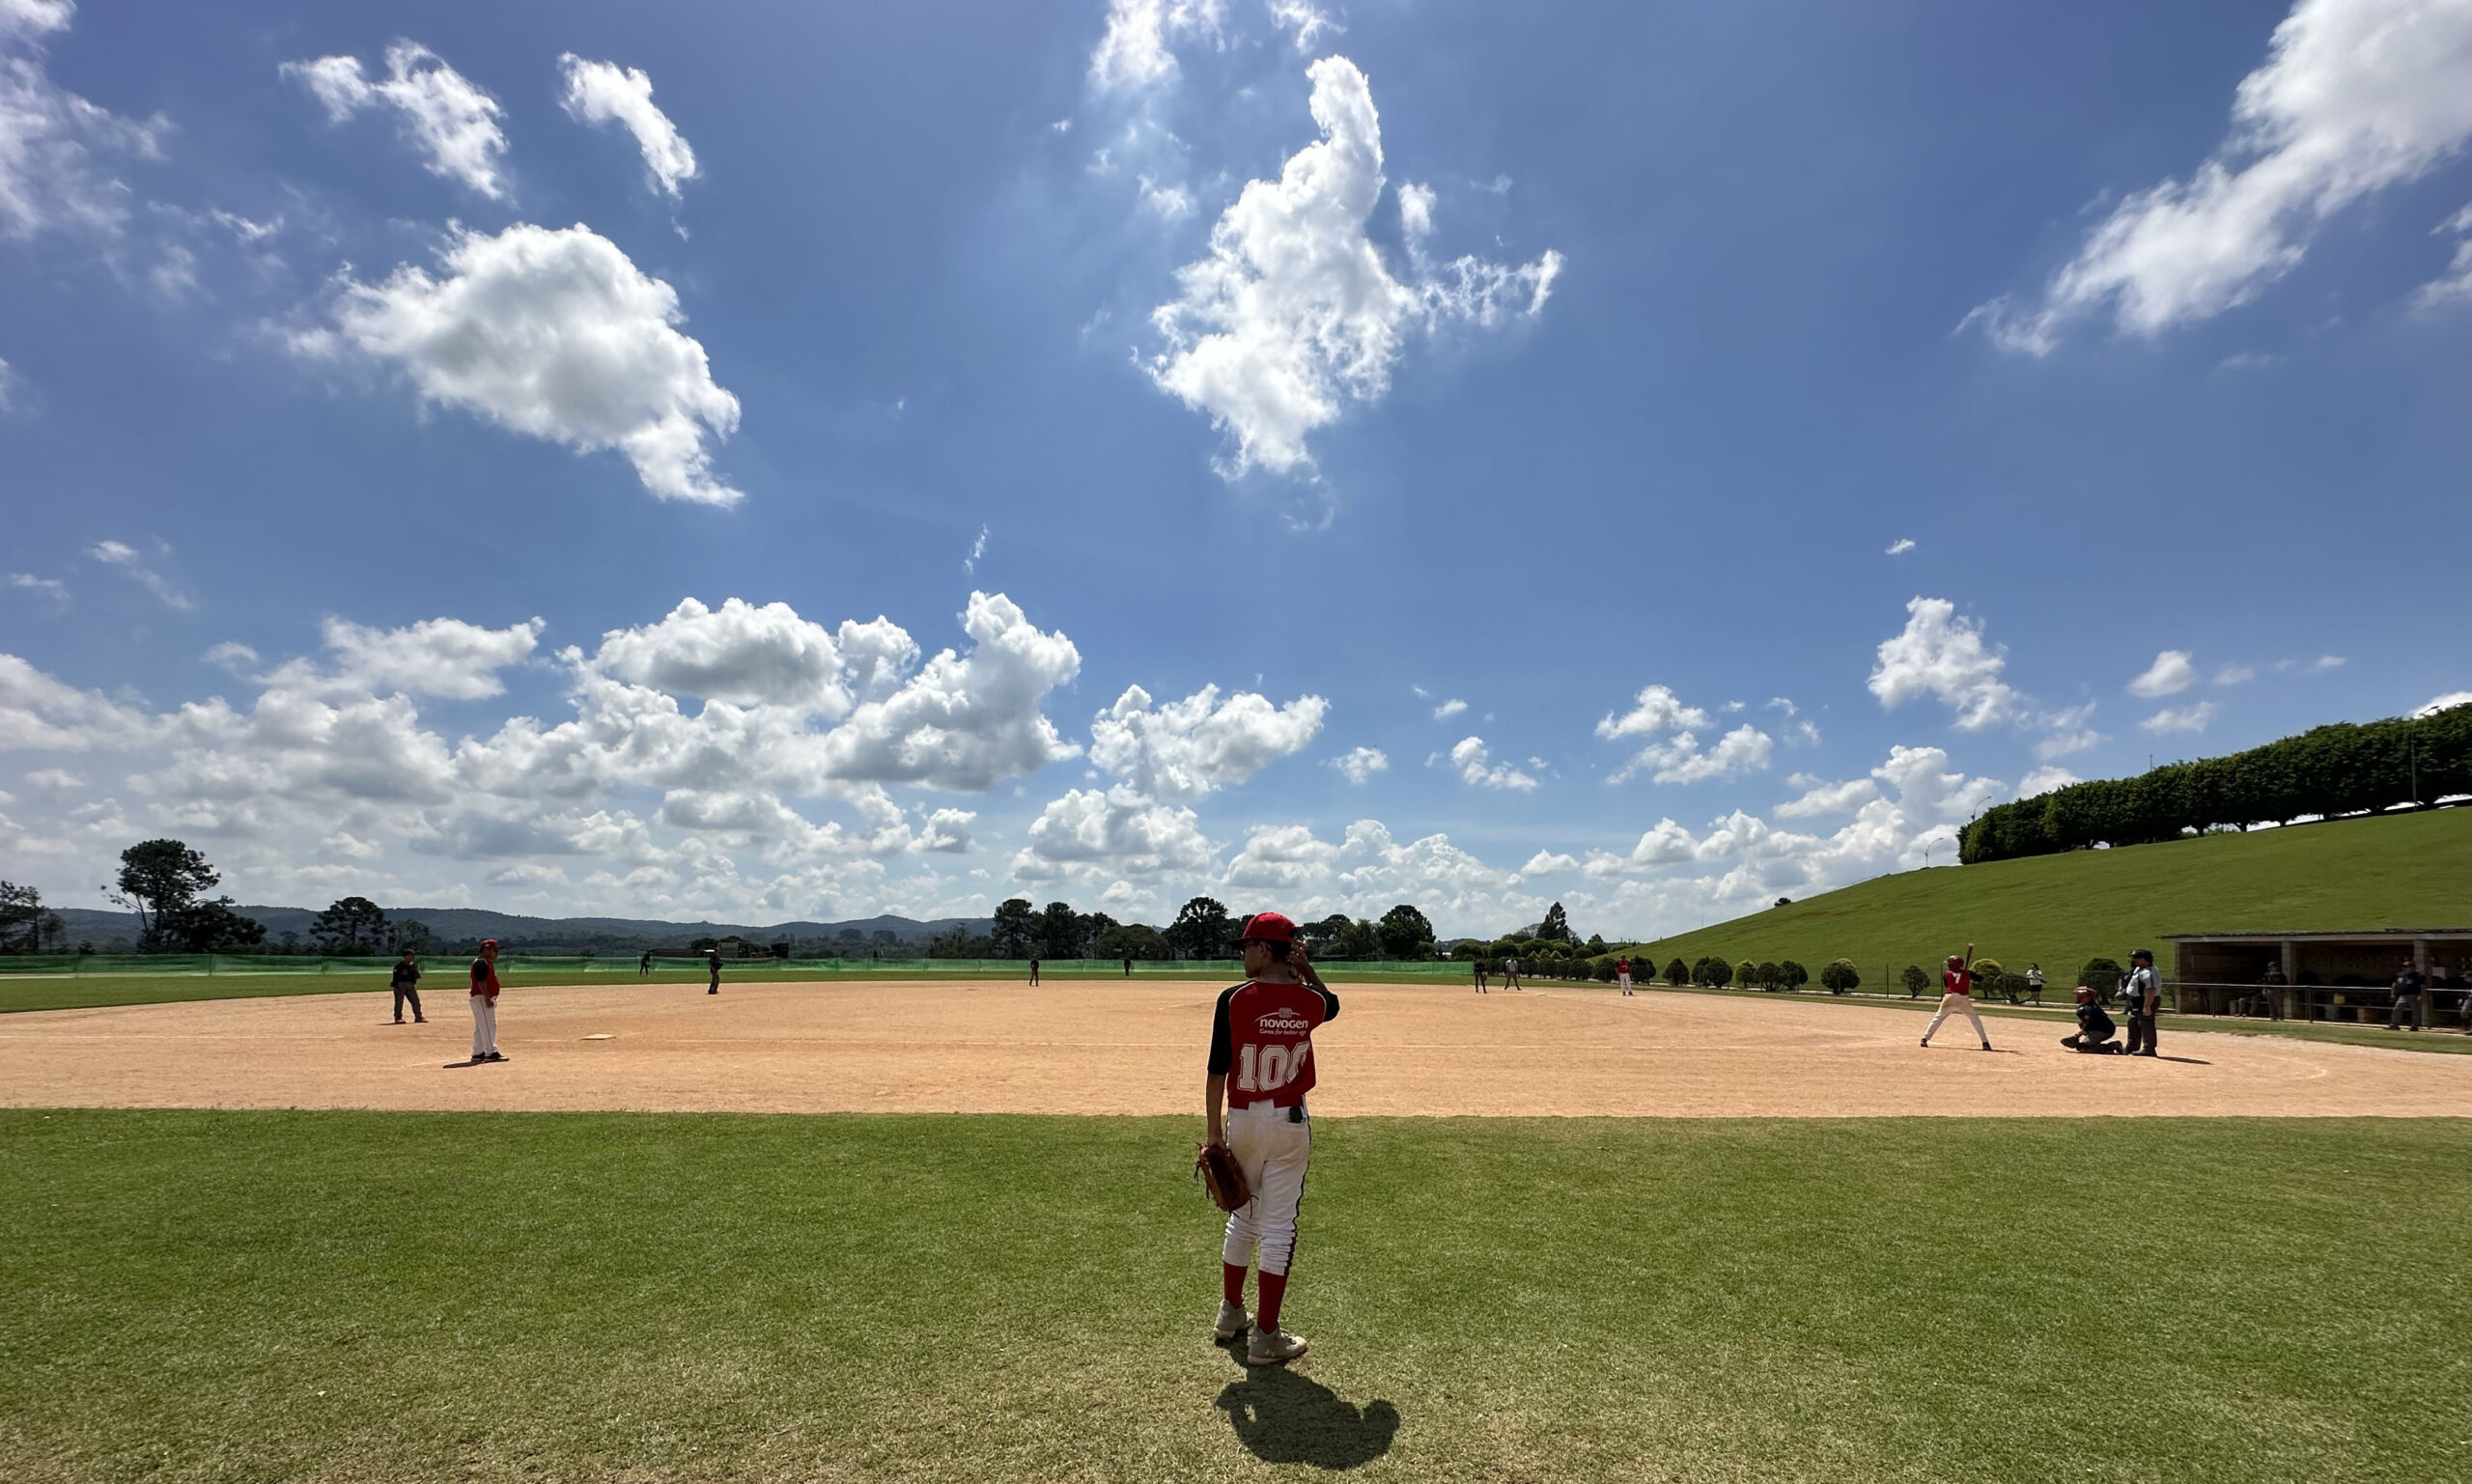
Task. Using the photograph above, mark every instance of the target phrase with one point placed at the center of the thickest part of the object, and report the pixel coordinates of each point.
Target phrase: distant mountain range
(108, 931)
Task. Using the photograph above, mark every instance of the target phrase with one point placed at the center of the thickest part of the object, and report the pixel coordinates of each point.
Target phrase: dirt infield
(1101, 1048)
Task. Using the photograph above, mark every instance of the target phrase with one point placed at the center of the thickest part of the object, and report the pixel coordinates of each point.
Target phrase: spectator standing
(405, 983)
(2145, 996)
(485, 1003)
(2409, 1000)
(2035, 982)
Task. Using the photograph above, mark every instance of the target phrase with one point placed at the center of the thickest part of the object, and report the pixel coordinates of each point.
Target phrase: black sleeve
(1223, 1047)
(1329, 1007)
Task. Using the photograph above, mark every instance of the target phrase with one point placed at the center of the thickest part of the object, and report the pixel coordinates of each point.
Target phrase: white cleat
(1233, 1322)
(1273, 1347)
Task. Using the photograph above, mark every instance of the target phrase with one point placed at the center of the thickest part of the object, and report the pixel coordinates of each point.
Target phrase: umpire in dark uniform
(2144, 997)
(405, 983)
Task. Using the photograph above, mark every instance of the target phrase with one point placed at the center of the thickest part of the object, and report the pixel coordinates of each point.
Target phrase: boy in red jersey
(1262, 1035)
(1956, 986)
(485, 1003)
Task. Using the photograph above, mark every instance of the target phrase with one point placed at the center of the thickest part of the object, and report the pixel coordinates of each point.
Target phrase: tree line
(2346, 768)
(166, 883)
(1203, 928)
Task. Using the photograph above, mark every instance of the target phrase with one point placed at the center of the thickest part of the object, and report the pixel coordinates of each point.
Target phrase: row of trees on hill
(166, 883)
(2345, 769)
(1202, 929)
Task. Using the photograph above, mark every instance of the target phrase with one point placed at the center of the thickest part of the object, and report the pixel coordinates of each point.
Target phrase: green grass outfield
(485, 1297)
(2404, 871)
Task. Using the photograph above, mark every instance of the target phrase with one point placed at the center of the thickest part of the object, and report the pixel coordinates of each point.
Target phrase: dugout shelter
(2325, 975)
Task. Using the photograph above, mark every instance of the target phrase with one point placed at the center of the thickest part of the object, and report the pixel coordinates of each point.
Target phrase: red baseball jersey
(1957, 981)
(485, 978)
(1263, 1042)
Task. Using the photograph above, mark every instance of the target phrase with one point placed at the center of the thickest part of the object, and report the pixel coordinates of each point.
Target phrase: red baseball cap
(489, 942)
(1269, 928)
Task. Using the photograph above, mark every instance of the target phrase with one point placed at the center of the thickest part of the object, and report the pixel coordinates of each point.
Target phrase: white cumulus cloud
(2042, 781)
(1820, 798)
(556, 334)
(451, 120)
(1655, 708)
(1449, 709)
(1940, 654)
(738, 653)
(1134, 51)
(1476, 769)
(604, 93)
(2170, 674)
(1185, 749)
(1294, 313)
(1356, 764)
(2355, 97)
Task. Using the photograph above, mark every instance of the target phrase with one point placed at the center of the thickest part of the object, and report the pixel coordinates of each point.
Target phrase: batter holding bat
(1261, 1067)
(1956, 994)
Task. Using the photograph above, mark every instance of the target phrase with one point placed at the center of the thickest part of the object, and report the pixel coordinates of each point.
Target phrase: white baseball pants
(485, 1025)
(1626, 982)
(1948, 1002)
(1274, 1153)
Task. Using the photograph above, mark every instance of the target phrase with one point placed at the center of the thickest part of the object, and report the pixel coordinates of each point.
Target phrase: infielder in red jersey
(485, 1003)
(1261, 1067)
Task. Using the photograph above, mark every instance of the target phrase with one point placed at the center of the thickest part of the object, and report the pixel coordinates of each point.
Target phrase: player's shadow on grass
(1284, 1416)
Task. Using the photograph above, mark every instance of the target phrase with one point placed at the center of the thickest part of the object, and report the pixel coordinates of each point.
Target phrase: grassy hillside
(2404, 871)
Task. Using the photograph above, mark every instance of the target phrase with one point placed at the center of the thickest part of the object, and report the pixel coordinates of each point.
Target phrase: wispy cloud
(1449, 709)
(2180, 718)
(51, 589)
(119, 554)
(1901, 546)
(978, 550)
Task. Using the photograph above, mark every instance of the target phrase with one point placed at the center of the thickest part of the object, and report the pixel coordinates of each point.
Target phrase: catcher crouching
(1261, 1067)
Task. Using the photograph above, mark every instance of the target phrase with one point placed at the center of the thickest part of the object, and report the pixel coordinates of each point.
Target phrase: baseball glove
(1218, 1170)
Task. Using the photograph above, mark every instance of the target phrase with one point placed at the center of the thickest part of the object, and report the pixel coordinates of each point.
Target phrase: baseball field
(942, 1230)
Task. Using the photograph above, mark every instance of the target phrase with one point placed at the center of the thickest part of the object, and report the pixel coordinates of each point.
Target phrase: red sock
(1274, 1289)
(1231, 1283)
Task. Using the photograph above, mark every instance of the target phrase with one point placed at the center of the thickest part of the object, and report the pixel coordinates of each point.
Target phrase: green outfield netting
(184, 966)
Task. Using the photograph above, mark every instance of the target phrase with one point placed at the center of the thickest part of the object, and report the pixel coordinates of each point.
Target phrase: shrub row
(2344, 768)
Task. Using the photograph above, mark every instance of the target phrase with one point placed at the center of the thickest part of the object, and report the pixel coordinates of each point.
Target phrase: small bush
(1677, 973)
(1840, 977)
(1914, 980)
(2103, 976)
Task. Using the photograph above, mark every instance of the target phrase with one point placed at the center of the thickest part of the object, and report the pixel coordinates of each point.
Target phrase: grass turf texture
(2404, 871)
(333, 1296)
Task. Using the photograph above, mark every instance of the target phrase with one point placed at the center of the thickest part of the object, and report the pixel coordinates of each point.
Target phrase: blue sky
(461, 455)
